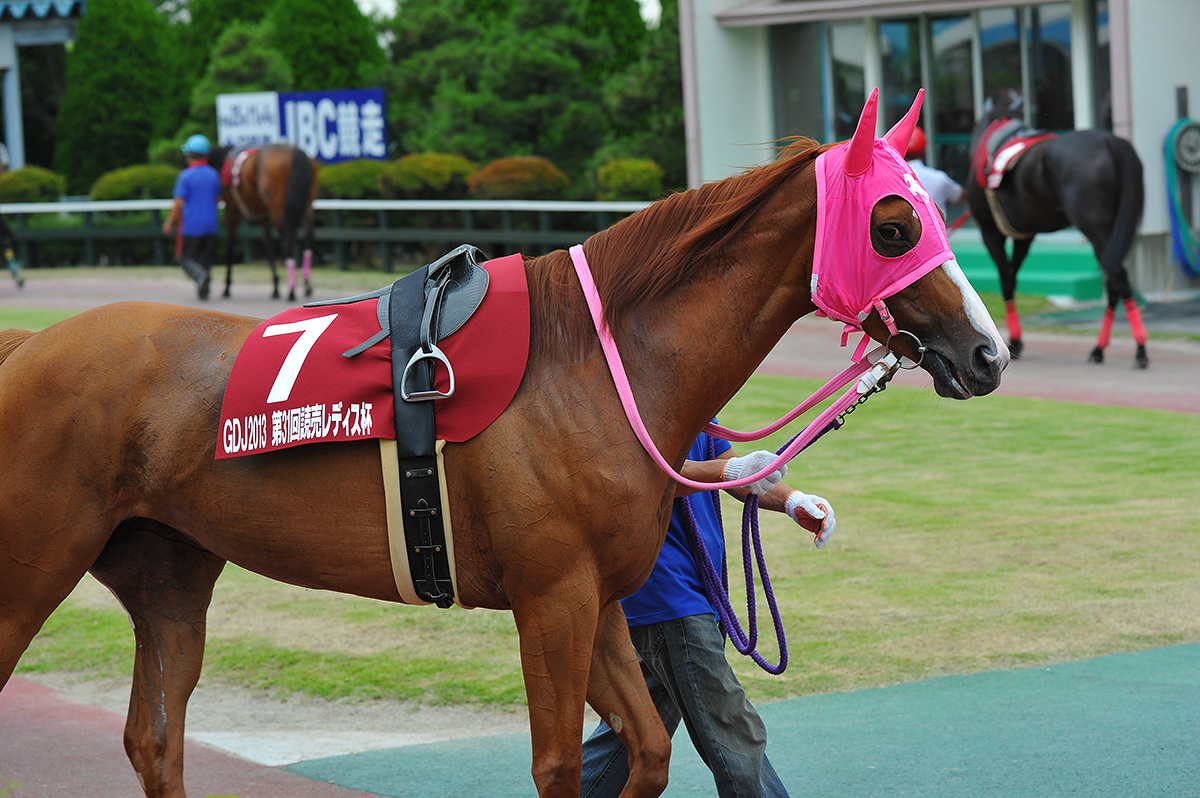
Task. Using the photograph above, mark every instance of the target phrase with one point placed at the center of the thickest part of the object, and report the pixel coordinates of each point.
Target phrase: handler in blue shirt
(681, 647)
(197, 190)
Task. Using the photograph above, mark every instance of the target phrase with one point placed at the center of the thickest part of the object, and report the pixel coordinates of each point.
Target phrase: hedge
(147, 181)
(520, 177)
(631, 179)
(428, 175)
(32, 184)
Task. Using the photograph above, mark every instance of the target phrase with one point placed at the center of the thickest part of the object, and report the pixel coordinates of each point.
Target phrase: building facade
(756, 71)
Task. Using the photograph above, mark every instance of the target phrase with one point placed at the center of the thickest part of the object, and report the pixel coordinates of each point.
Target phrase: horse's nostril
(988, 359)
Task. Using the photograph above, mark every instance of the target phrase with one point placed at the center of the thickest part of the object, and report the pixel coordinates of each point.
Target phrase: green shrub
(520, 177)
(428, 175)
(357, 179)
(148, 181)
(629, 179)
(31, 184)
(166, 152)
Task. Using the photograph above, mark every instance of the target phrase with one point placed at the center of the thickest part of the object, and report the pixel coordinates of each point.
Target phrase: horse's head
(901, 282)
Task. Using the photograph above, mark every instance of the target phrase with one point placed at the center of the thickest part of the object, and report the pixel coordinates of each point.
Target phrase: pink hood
(849, 277)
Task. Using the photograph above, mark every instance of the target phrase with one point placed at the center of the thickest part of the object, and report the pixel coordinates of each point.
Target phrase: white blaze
(976, 313)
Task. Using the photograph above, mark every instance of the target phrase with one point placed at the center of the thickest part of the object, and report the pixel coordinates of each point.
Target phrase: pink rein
(868, 374)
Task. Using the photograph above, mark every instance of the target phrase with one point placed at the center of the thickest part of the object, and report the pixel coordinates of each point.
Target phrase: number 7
(310, 330)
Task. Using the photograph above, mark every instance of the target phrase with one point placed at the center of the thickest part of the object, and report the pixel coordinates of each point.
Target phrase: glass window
(796, 58)
(1048, 34)
(900, 47)
(847, 49)
(952, 39)
(1102, 67)
(1001, 46)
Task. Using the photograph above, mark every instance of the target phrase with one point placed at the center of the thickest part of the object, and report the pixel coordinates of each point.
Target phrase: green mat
(1122, 725)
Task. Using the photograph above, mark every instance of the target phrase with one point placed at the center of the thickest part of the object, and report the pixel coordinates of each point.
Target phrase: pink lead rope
(869, 375)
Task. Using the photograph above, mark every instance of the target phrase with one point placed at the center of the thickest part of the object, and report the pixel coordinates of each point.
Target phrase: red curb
(53, 746)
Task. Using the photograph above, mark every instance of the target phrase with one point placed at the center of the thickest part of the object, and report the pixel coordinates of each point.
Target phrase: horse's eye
(890, 232)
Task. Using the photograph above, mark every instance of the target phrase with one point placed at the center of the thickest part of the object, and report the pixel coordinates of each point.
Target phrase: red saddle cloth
(999, 150)
(290, 384)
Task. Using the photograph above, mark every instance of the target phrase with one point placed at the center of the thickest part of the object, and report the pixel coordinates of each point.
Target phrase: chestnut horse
(275, 188)
(108, 423)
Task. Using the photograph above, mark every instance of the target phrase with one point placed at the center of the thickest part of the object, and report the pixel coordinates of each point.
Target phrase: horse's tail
(1129, 208)
(295, 205)
(10, 340)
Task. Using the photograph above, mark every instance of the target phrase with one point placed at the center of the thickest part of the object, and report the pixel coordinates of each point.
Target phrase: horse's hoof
(20, 282)
(1097, 356)
(1014, 348)
(307, 290)
(1141, 360)
(202, 289)
(275, 295)
(226, 294)
(291, 296)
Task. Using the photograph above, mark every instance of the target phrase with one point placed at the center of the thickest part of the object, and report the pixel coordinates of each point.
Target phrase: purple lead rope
(717, 587)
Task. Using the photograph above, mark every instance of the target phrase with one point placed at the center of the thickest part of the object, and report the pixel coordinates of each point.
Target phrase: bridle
(869, 373)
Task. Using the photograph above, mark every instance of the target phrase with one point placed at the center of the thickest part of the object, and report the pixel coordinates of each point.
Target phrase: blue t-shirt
(200, 187)
(674, 589)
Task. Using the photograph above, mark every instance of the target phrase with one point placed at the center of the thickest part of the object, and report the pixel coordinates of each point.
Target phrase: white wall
(733, 105)
(1162, 55)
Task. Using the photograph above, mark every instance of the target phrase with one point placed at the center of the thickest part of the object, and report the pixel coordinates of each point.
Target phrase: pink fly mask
(849, 277)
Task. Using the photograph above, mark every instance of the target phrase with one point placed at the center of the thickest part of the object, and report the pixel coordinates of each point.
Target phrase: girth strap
(420, 495)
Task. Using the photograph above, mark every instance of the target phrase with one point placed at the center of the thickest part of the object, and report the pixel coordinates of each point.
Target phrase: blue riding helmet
(195, 145)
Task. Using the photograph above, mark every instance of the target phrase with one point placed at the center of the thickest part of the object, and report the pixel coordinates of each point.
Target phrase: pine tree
(329, 44)
(114, 96)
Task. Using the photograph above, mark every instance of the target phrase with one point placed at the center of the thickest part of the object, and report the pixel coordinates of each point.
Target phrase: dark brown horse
(273, 187)
(1087, 178)
(109, 420)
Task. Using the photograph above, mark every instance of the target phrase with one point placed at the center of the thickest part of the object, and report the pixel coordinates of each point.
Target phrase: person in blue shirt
(681, 646)
(197, 190)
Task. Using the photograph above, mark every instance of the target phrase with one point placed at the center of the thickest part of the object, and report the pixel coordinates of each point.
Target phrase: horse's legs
(1006, 268)
(165, 583)
(1119, 290)
(269, 252)
(231, 236)
(557, 627)
(617, 691)
(29, 592)
(308, 253)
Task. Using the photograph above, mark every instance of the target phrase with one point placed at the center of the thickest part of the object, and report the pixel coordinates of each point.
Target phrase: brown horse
(108, 423)
(274, 187)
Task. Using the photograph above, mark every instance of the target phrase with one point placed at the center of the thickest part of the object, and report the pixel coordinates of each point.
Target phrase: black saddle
(422, 308)
(416, 312)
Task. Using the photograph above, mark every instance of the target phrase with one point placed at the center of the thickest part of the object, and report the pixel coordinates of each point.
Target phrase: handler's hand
(813, 513)
(738, 467)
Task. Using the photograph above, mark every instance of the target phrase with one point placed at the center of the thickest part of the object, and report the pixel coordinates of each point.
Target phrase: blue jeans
(690, 680)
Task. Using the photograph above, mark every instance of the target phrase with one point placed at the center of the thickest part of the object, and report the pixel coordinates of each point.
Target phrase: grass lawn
(993, 533)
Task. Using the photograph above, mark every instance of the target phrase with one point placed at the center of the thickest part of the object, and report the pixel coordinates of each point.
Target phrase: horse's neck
(696, 349)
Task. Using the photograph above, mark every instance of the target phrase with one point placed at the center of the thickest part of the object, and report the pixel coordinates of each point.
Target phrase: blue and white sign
(248, 120)
(330, 126)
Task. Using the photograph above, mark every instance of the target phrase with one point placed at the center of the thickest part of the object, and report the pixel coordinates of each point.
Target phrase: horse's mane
(643, 257)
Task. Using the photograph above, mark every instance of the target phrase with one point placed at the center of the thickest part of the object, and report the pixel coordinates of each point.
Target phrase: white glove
(816, 508)
(738, 467)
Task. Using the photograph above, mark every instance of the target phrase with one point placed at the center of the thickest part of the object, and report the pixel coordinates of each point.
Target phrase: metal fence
(380, 230)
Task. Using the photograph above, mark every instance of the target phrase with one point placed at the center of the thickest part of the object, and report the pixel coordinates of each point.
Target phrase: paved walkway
(1122, 726)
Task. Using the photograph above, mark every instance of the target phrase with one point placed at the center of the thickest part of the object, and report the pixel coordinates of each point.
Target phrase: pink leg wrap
(291, 270)
(1135, 321)
(1106, 328)
(307, 270)
(1014, 321)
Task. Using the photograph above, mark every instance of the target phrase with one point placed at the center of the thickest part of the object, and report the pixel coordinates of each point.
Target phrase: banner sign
(330, 126)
